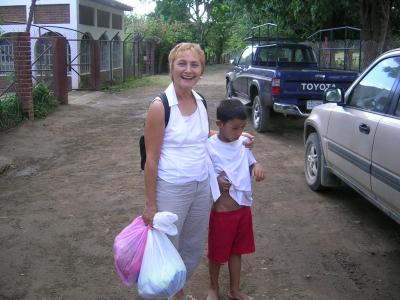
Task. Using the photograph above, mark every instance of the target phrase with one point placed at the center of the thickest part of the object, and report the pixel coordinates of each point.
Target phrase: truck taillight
(276, 86)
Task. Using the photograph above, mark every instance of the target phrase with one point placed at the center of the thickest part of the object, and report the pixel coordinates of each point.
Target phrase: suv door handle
(364, 128)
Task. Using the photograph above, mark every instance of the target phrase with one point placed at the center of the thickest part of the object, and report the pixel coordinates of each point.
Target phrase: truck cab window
(246, 57)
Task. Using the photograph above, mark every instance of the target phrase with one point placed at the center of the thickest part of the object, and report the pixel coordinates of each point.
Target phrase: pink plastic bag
(128, 249)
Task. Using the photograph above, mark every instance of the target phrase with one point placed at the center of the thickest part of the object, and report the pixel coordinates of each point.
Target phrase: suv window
(246, 57)
(372, 92)
(397, 112)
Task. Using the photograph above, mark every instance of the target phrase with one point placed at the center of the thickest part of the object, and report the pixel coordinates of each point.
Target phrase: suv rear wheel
(261, 116)
(313, 158)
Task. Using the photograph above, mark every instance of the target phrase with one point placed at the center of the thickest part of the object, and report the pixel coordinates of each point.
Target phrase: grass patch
(10, 111)
(43, 101)
(132, 83)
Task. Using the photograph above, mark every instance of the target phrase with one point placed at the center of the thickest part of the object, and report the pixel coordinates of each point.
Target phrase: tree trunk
(30, 17)
(375, 16)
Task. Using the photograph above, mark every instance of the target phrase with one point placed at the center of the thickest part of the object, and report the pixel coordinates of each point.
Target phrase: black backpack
(167, 111)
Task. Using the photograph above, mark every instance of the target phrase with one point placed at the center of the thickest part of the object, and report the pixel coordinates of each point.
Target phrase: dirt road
(71, 182)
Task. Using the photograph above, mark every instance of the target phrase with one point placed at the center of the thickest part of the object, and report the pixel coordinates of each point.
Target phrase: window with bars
(85, 54)
(116, 52)
(86, 15)
(116, 21)
(104, 53)
(103, 18)
(6, 57)
(43, 54)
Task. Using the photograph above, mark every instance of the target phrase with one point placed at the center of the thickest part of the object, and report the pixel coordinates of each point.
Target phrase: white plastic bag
(163, 272)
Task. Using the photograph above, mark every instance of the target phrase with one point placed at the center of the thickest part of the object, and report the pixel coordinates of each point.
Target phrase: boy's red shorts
(230, 233)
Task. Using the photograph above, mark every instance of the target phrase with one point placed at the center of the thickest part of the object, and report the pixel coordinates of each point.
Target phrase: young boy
(231, 229)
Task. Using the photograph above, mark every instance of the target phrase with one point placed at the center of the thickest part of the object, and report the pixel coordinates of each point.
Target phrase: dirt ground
(71, 182)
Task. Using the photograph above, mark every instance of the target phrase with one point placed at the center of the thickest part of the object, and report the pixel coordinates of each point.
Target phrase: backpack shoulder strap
(167, 109)
(203, 100)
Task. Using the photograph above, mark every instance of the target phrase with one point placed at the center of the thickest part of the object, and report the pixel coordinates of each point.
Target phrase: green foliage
(166, 32)
(10, 111)
(172, 9)
(43, 100)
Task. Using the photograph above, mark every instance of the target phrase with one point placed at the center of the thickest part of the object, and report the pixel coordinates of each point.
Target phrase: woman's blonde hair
(182, 47)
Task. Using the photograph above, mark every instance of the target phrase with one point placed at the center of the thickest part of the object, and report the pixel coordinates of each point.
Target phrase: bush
(43, 100)
(10, 111)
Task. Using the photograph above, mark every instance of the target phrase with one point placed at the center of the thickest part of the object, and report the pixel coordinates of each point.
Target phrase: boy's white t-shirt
(235, 160)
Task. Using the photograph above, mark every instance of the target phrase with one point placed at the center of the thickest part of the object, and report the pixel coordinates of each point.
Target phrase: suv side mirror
(334, 96)
(234, 61)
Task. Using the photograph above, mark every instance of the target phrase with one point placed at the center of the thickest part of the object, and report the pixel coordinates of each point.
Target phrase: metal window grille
(42, 48)
(85, 56)
(6, 57)
(116, 53)
(105, 55)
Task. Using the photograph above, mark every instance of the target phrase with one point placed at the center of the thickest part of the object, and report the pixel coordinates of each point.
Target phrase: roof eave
(114, 4)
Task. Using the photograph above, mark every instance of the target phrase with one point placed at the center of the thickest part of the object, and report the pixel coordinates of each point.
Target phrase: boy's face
(231, 130)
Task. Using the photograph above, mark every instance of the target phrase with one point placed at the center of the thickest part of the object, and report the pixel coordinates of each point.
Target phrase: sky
(140, 7)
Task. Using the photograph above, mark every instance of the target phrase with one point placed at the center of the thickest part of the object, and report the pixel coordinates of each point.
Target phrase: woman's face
(186, 70)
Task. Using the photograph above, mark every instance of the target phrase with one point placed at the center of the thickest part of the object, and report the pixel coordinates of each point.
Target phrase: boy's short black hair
(231, 109)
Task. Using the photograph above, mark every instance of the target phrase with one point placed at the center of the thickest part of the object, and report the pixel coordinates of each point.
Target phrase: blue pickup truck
(281, 77)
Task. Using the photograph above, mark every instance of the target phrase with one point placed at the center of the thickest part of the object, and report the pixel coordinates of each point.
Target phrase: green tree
(172, 9)
(227, 29)
(195, 13)
(165, 32)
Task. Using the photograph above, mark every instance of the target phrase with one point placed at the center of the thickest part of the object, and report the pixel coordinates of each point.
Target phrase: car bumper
(289, 109)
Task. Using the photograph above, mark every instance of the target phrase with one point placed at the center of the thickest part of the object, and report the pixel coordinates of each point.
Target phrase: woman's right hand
(148, 215)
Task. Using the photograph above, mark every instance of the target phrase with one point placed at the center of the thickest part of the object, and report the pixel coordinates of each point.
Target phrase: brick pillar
(60, 69)
(23, 72)
(95, 64)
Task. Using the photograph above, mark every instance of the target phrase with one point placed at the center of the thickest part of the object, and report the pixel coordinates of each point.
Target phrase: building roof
(114, 4)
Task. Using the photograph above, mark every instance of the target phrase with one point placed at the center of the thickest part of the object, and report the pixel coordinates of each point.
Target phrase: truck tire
(261, 115)
(228, 90)
(313, 162)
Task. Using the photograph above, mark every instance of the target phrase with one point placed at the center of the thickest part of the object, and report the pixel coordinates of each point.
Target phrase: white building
(79, 21)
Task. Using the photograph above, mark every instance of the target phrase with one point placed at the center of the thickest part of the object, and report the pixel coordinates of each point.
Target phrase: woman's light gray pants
(191, 202)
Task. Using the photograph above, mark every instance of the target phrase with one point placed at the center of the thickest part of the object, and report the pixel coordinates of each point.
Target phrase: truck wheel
(228, 90)
(313, 158)
(261, 115)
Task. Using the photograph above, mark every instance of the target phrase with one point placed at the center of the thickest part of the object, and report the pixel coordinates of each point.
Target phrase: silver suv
(355, 136)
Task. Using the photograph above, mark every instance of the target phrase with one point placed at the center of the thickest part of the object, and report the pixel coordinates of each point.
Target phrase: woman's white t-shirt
(183, 156)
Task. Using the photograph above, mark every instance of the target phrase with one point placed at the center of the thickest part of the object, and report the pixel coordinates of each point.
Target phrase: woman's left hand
(250, 140)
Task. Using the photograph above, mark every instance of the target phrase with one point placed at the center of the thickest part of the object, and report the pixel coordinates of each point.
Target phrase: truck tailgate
(310, 84)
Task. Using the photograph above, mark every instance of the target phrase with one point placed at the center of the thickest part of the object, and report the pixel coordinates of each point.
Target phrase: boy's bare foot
(212, 295)
(239, 296)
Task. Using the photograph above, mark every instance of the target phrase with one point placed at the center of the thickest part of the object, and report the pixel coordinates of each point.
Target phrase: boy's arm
(257, 171)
